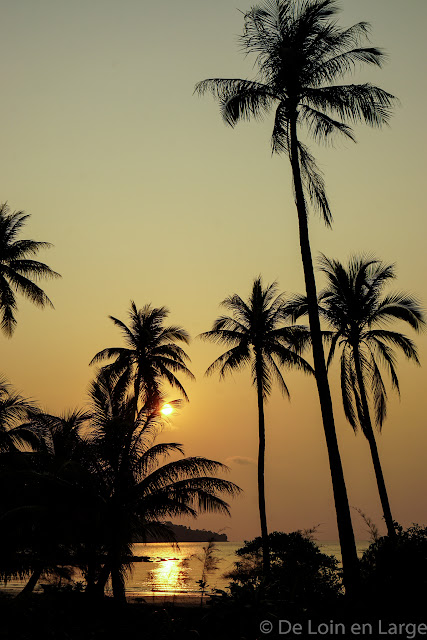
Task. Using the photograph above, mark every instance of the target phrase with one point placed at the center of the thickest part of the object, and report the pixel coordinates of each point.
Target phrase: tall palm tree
(151, 355)
(139, 488)
(17, 268)
(257, 337)
(354, 305)
(302, 56)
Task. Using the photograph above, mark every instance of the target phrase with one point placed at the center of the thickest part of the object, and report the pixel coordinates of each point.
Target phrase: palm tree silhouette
(256, 337)
(52, 507)
(301, 52)
(15, 431)
(18, 269)
(138, 490)
(354, 306)
(151, 355)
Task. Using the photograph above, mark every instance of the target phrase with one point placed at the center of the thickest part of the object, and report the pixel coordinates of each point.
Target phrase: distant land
(186, 534)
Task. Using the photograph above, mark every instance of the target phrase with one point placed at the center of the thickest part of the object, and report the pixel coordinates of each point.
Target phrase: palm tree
(256, 337)
(17, 435)
(151, 355)
(51, 506)
(302, 56)
(14, 428)
(140, 492)
(17, 268)
(357, 311)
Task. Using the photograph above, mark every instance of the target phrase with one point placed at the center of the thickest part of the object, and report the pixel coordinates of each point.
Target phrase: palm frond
(238, 99)
(400, 306)
(278, 375)
(379, 393)
(322, 127)
(27, 287)
(353, 102)
(405, 344)
(345, 62)
(232, 360)
(314, 183)
(349, 390)
(17, 270)
(280, 142)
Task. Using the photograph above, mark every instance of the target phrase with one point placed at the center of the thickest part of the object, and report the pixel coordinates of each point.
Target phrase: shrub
(301, 575)
(394, 569)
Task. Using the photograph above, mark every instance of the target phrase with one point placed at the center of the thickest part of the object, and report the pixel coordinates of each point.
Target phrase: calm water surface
(175, 570)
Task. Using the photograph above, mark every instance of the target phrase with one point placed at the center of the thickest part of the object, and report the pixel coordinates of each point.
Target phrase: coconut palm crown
(355, 306)
(151, 355)
(15, 429)
(257, 336)
(302, 57)
(17, 268)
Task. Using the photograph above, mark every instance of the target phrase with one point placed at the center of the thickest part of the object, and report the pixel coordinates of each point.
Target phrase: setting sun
(166, 409)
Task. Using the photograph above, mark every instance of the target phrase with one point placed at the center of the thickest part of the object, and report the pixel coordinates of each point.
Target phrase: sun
(166, 409)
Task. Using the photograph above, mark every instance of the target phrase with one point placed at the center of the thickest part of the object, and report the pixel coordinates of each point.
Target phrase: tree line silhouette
(79, 488)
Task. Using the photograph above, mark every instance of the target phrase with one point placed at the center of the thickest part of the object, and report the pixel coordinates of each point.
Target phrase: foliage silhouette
(302, 56)
(358, 312)
(301, 575)
(354, 305)
(394, 571)
(138, 490)
(150, 357)
(14, 412)
(51, 509)
(97, 480)
(257, 337)
(210, 564)
(17, 268)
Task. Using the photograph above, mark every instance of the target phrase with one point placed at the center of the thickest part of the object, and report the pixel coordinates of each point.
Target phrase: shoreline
(191, 599)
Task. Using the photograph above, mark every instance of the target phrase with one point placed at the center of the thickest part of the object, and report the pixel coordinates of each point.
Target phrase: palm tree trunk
(365, 420)
(118, 584)
(100, 584)
(345, 527)
(29, 587)
(90, 574)
(261, 474)
(136, 391)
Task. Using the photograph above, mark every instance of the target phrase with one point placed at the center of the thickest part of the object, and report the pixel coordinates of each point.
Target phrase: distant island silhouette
(186, 534)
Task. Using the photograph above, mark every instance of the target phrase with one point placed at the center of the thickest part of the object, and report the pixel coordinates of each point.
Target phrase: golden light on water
(170, 576)
(167, 409)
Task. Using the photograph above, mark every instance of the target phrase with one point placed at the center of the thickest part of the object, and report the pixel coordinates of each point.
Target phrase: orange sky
(147, 195)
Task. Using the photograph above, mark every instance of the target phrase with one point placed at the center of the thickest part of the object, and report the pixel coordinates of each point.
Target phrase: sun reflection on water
(170, 575)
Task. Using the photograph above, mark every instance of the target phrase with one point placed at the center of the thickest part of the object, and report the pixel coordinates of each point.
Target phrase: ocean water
(175, 570)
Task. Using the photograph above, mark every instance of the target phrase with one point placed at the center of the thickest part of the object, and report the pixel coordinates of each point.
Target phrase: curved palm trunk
(365, 420)
(345, 527)
(261, 478)
(29, 587)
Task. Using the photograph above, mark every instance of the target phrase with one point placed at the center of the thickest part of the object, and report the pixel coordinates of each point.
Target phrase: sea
(174, 570)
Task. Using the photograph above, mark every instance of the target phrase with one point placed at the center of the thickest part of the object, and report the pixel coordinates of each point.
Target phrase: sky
(147, 195)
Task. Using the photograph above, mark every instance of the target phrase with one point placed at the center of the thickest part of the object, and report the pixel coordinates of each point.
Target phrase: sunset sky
(147, 195)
